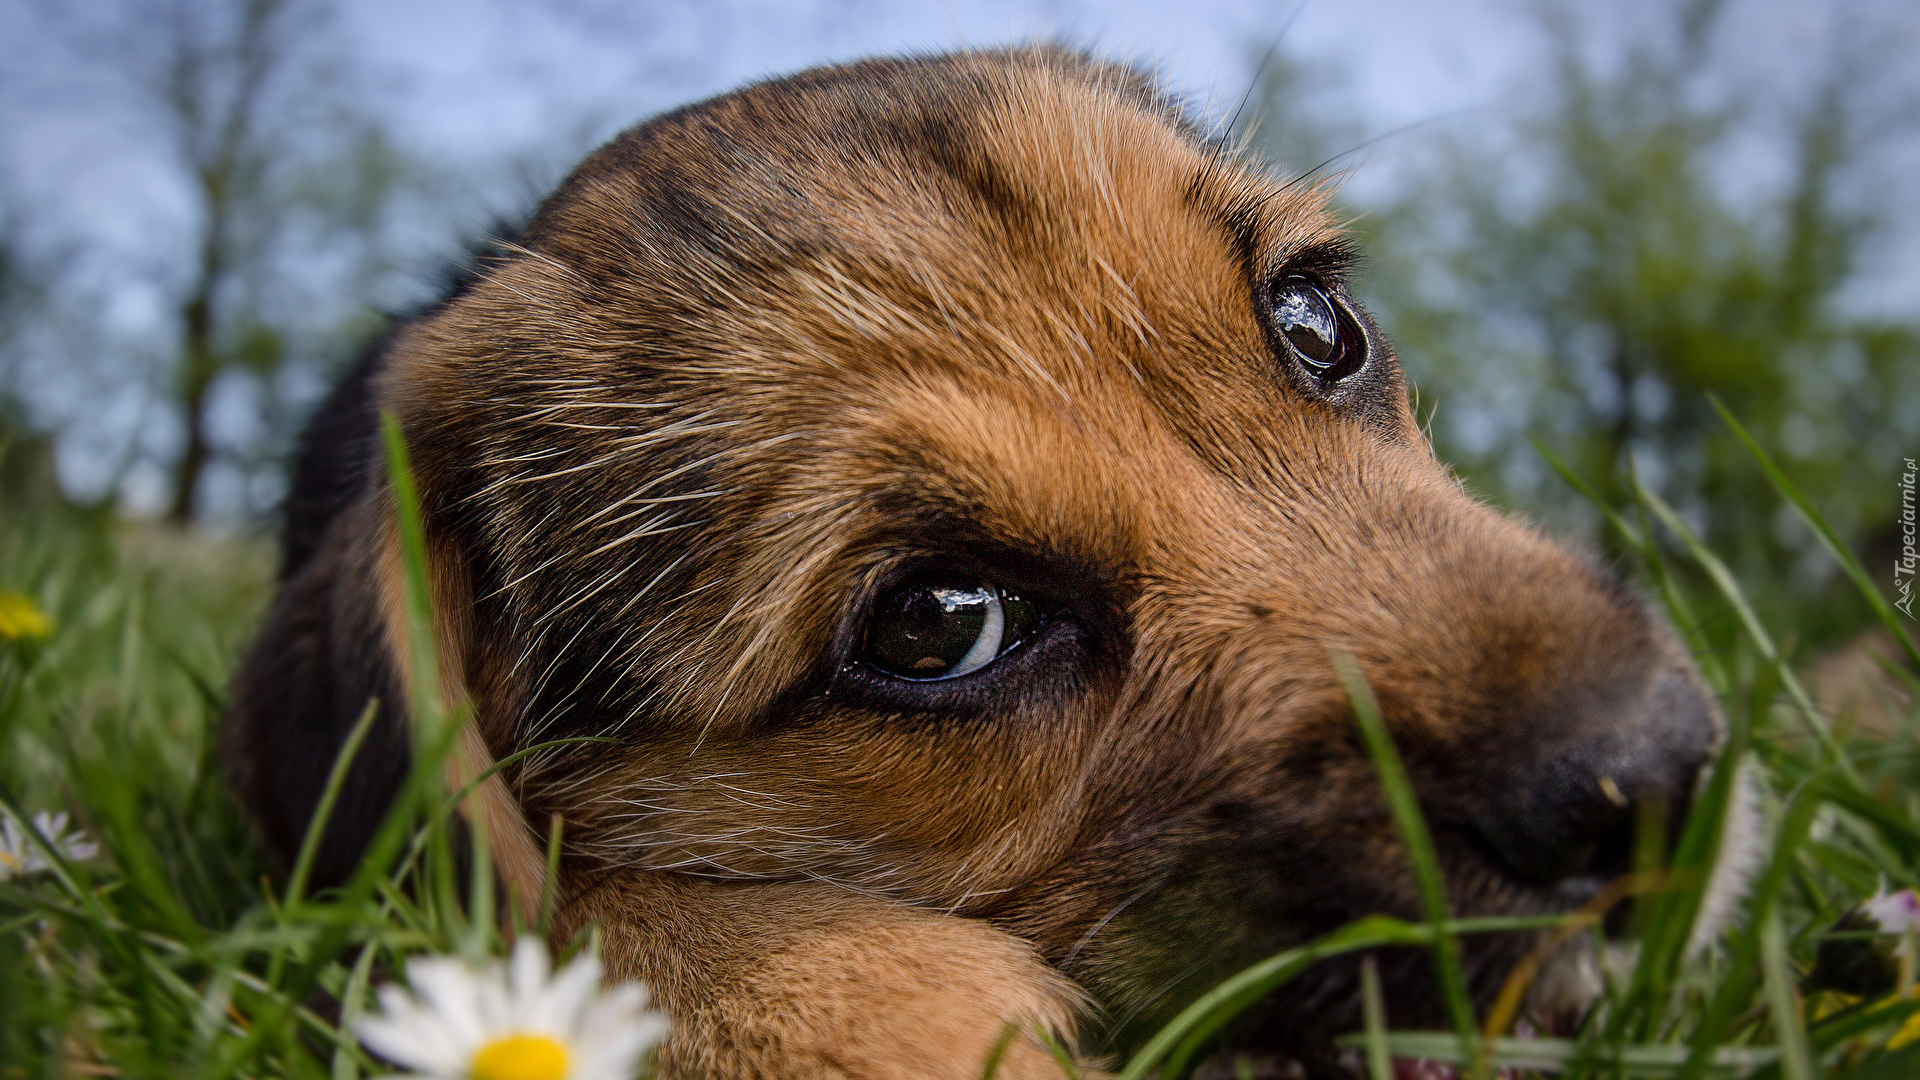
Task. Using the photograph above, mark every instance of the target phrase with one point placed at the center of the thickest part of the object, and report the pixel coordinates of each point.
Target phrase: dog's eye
(1317, 330)
(944, 630)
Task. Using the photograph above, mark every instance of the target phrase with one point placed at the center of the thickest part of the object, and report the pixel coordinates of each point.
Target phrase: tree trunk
(198, 367)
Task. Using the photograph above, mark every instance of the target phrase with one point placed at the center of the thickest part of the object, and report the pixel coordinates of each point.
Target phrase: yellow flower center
(520, 1057)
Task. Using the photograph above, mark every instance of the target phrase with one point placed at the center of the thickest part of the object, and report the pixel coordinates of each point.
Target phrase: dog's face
(946, 480)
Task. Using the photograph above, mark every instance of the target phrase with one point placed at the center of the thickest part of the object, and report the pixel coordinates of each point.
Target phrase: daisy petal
(528, 970)
(562, 1006)
(449, 989)
(411, 1037)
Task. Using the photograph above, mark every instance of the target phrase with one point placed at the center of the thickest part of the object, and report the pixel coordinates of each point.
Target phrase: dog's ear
(486, 721)
(335, 644)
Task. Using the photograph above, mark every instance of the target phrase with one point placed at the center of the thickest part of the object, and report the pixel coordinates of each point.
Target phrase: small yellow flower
(21, 619)
(513, 1021)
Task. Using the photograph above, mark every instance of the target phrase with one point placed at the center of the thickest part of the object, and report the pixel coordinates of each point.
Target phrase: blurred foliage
(289, 184)
(282, 167)
(179, 949)
(1589, 275)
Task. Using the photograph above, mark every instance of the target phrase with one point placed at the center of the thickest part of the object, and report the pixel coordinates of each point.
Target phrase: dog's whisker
(1143, 1002)
(589, 590)
(1112, 913)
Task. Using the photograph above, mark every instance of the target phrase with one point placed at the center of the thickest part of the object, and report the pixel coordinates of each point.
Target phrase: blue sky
(506, 95)
(484, 82)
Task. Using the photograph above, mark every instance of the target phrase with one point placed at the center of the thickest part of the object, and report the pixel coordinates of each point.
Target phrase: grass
(179, 952)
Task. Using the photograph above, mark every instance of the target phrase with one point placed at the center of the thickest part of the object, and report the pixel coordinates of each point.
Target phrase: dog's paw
(837, 986)
(895, 997)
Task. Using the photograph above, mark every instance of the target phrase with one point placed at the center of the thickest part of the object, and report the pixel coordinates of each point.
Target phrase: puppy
(943, 482)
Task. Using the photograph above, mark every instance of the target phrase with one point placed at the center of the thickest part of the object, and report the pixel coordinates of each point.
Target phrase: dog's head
(947, 479)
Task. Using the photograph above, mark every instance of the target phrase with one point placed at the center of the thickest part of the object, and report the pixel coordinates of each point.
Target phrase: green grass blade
(423, 788)
(1200, 1020)
(1566, 1055)
(1735, 989)
(1174, 1043)
(1060, 1056)
(120, 805)
(1373, 1011)
(483, 927)
(1901, 1064)
(466, 789)
(1789, 1029)
(1835, 1030)
(323, 811)
(1419, 842)
(550, 884)
(1669, 926)
(433, 725)
(1678, 610)
(428, 709)
(71, 877)
(1828, 538)
(1634, 537)
(1756, 632)
(990, 1069)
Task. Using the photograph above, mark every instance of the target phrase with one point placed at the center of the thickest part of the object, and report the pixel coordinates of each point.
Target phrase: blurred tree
(212, 81)
(237, 84)
(1591, 280)
(26, 457)
(249, 118)
(15, 286)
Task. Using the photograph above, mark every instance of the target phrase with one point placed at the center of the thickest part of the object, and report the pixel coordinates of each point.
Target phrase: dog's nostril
(1559, 822)
(1577, 809)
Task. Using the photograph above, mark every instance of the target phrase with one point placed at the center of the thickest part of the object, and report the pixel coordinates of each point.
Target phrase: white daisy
(511, 1021)
(20, 856)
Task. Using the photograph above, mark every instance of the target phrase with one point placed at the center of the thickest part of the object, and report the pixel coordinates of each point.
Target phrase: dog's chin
(1563, 991)
(1296, 1032)
(1297, 1036)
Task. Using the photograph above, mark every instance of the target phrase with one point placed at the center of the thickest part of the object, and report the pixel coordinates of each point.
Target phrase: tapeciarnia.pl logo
(1903, 567)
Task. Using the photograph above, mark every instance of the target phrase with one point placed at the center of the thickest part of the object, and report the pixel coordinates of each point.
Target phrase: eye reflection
(942, 631)
(1314, 329)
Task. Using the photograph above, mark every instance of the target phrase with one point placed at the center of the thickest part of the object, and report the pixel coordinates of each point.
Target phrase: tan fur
(1001, 313)
(810, 981)
(517, 861)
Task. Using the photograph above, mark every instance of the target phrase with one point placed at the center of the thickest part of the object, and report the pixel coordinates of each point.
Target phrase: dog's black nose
(1571, 807)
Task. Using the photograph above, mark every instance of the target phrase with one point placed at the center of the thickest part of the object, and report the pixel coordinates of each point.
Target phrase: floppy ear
(335, 643)
(485, 723)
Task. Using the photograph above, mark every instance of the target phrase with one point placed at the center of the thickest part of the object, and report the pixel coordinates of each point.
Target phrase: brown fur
(1000, 313)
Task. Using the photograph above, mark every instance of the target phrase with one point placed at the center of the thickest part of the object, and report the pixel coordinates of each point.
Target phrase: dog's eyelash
(1331, 261)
